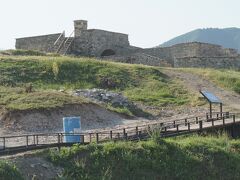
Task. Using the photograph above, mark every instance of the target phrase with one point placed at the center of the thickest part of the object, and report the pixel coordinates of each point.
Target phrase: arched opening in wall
(108, 52)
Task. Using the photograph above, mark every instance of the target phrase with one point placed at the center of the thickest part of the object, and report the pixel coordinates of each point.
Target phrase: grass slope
(229, 79)
(192, 157)
(139, 83)
(17, 99)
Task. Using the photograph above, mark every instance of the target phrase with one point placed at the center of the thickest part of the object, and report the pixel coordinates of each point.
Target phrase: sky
(147, 22)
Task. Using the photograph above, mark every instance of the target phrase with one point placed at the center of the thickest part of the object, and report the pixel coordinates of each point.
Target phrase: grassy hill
(228, 37)
(193, 157)
(48, 74)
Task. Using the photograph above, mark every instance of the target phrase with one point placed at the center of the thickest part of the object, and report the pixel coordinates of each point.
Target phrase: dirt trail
(193, 82)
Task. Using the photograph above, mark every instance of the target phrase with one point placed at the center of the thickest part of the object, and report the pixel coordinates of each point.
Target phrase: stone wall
(194, 49)
(94, 42)
(208, 62)
(40, 43)
(139, 58)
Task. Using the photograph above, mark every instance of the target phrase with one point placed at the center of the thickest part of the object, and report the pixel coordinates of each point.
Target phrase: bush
(191, 157)
(9, 172)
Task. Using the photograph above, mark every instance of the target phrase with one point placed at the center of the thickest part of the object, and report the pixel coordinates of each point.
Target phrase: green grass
(229, 79)
(193, 157)
(9, 171)
(147, 85)
(17, 99)
(20, 52)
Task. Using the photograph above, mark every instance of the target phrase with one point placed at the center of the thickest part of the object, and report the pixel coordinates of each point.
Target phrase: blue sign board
(70, 125)
(211, 97)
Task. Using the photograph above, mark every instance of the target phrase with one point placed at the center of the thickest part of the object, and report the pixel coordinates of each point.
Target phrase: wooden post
(188, 126)
(4, 143)
(165, 128)
(34, 141)
(27, 141)
(97, 138)
(82, 138)
(177, 127)
(111, 135)
(234, 119)
(37, 139)
(174, 124)
(200, 125)
(90, 137)
(223, 120)
(221, 110)
(59, 141)
(136, 130)
(58, 138)
(210, 110)
(185, 122)
(196, 120)
(124, 131)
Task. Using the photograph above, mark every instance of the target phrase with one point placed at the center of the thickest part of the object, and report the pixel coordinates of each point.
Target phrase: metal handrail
(69, 43)
(69, 37)
(62, 34)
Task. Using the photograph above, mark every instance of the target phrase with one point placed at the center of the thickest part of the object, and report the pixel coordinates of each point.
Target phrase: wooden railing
(168, 128)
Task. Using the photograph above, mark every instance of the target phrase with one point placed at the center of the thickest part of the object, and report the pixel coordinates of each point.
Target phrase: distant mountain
(228, 37)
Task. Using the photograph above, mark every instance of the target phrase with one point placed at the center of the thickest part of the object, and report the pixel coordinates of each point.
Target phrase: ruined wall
(208, 62)
(138, 58)
(94, 42)
(40, 43)
(163, 53)
(194, 49)
(200, 50)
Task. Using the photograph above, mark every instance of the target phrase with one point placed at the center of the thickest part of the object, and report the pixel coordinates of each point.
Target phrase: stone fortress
(116, 47)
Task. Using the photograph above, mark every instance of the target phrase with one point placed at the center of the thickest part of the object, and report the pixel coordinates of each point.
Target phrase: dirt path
(193, 82)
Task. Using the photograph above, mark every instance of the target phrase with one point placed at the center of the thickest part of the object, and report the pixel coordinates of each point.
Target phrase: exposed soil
(92, 116)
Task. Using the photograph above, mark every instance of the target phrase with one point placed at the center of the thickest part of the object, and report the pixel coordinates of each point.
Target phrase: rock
(104, 96)
(45, 166)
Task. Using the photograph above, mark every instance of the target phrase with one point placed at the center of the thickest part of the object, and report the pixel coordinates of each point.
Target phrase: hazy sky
(148, 22)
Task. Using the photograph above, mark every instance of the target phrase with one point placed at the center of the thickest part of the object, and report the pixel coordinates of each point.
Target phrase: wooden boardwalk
(15, 144)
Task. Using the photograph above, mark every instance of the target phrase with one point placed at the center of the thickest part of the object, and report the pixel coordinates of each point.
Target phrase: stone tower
(79, 26)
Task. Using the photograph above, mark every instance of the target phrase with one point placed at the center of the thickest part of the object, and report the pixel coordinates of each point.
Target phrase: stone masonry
(115, 47)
